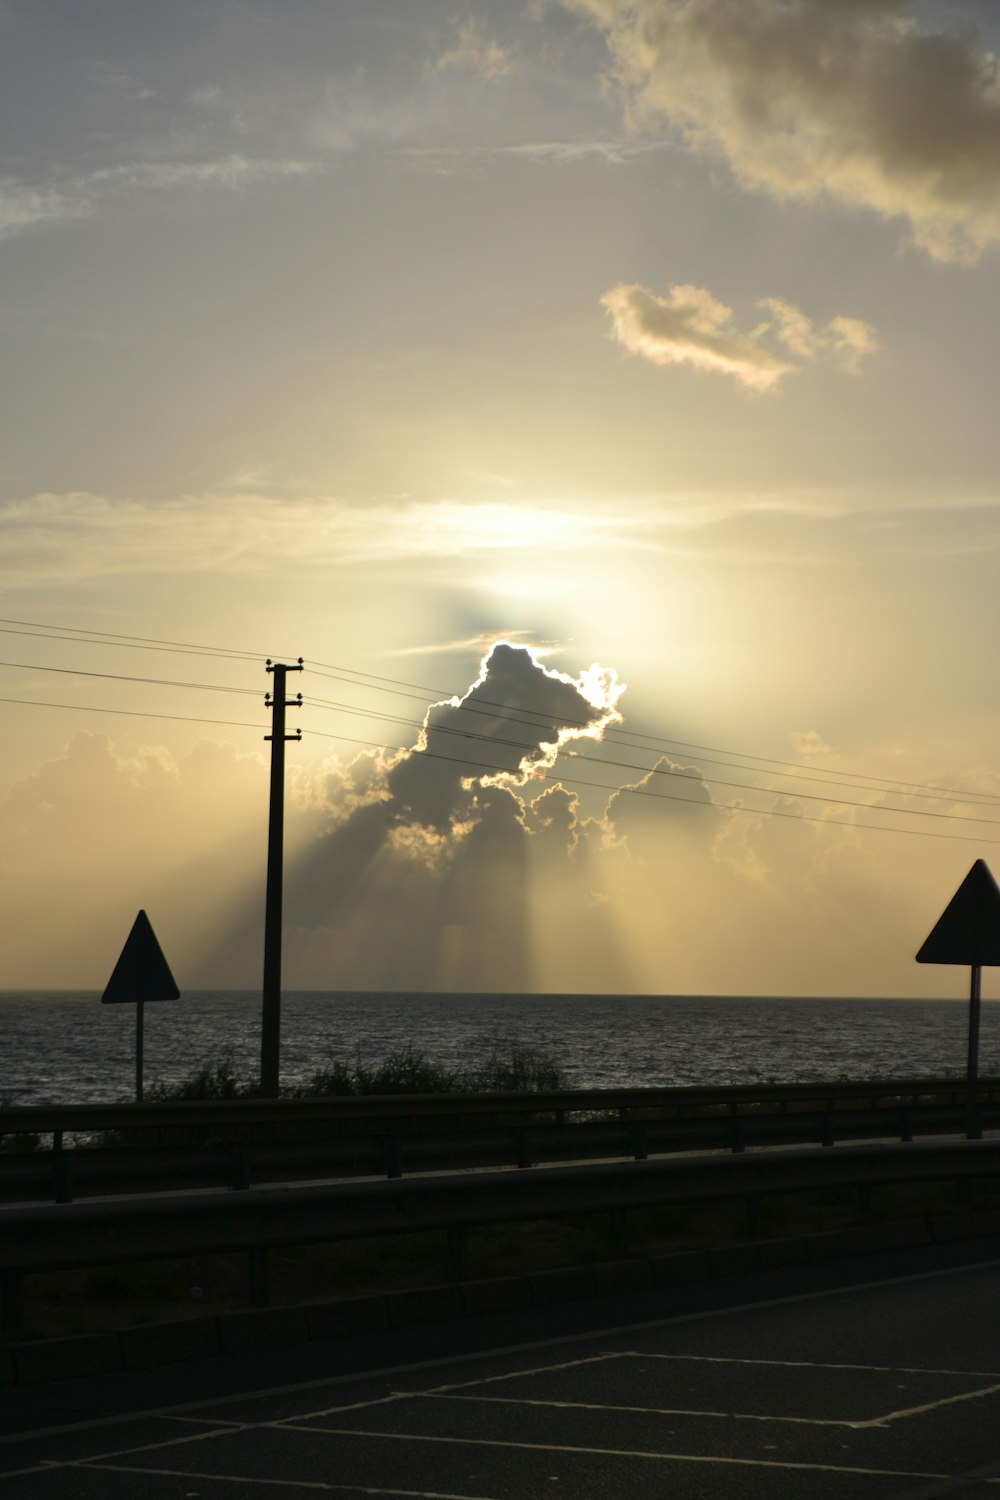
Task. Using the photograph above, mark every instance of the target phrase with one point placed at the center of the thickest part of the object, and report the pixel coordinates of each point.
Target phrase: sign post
(141, 973)
(968, 932)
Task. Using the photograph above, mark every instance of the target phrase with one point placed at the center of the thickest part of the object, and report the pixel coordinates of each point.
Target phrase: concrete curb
(45, 1360)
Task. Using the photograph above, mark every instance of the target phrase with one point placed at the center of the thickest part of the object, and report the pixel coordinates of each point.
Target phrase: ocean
(68, 1048)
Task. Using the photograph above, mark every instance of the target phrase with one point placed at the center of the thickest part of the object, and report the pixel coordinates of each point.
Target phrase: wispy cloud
(480, 644)
(844, 340)
(862, 103)
(477, 53)
(691, 327)
(54, 537)
(25, 206)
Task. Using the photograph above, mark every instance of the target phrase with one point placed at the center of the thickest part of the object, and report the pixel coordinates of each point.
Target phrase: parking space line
(652, 1411)
(914, 1411)
(985, 1474)
(570, 1364)
(227, 1428)
(324, 1486)
(653, 1456)
(844, 1289)
(329, 1411)
(810, 1364)
(217, 1422)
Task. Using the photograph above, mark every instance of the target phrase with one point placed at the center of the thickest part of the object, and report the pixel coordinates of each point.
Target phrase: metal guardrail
(62, 1176)
(234, 1143)
(677, 1102)
(157, 1227)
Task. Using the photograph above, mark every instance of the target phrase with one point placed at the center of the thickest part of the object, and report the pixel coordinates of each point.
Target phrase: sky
(598, 395)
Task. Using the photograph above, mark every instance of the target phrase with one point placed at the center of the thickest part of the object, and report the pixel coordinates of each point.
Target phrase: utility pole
(270, 1029)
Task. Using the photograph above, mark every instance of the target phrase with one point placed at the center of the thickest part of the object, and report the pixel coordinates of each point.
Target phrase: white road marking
(809, 1364)
(228, 1429)
(686, 1458)
(328, 1411)
(447, 1361)
(986, 1474)
(570, 1364)
(325, 1486)
(219, 1422)
(649, 1411)
(914, 1411)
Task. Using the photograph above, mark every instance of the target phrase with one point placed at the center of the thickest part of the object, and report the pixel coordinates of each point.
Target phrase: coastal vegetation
(510, 1066)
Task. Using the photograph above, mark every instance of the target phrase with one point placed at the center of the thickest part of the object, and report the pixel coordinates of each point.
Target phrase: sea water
(63, 1048)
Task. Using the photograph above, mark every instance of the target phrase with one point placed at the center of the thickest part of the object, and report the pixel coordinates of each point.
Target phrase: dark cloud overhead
(883, 105)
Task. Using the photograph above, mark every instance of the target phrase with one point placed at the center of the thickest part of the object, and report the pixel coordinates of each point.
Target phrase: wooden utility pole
(270, 1029)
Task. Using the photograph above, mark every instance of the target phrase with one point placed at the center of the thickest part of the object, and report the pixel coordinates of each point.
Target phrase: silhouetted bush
(218, 1080)
(511, 1067)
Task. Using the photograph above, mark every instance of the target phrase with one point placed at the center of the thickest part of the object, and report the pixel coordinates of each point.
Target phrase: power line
(132, 713)
(609, 738)
(555, 776)
(209, 687)
(133, 642)
(624, 765)
(720, 807)
(374, 682)
(618, 735)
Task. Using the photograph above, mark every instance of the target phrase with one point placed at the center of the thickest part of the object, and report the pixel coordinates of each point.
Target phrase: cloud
(52, 538)
(670, 796)
(692, 327)
(439, 841)
(427, 869)
(25, 207)
(846, 341)
(810, 742)
(477, 53)
(478, 643)
(857, 101)
(513, 723)
(66, 199)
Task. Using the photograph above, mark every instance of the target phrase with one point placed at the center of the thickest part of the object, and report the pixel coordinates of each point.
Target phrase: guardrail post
(906, 1126)
(393, 1159)
(11, 1302)
(258, 1282)
(736, 1135)
(524, 1149)
(640, 1144)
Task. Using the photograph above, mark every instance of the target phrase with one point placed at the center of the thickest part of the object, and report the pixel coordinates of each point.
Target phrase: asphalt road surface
(887, 1388)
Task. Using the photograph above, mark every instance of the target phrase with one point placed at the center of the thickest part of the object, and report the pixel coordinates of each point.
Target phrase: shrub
(218, 1080)
(513, 1067)
(404, 1071)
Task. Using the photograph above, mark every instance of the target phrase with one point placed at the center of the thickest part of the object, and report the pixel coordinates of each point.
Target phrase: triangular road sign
(968, 930)
(141, 973)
